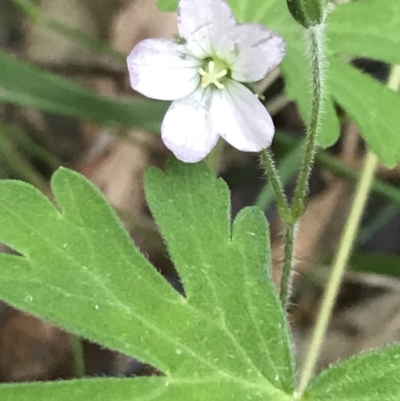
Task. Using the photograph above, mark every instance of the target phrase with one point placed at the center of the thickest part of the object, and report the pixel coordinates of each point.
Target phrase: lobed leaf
(226, 276)
(78, 269)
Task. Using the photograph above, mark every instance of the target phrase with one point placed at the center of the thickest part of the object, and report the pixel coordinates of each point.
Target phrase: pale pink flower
(203, 72)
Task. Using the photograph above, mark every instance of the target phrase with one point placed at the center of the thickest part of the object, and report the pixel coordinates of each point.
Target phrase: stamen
(219, 85)
(212, 75)
(222, 74)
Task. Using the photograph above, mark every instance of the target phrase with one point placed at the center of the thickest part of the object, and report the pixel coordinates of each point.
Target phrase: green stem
(78, 355)
(273, 176)
(345, 246)
(287, 265)
(317, 61)
(286, 170)
(291, 215)
(316, 55)
(338, 269)
(286, 217)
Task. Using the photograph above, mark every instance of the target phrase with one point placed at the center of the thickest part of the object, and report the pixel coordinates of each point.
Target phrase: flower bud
(307, 12)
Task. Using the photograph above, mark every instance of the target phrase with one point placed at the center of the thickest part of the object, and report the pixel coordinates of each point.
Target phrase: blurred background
(65, 100)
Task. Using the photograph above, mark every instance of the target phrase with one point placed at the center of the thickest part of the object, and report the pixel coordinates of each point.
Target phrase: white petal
(240, 118)
(159, 69)
(187, 130)
(258, 51)
(207, 26)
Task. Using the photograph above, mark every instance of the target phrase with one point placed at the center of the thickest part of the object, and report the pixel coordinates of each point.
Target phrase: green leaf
(367, 28)
(79, 270)
(22, 84)
(197, 231)
(374, 108)
(373, 376)
(137, 389)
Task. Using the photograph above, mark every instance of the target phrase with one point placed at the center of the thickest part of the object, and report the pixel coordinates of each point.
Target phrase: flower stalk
(283, 206)
(317, 65)
(286, 277)
(286, 217)
(290, 217)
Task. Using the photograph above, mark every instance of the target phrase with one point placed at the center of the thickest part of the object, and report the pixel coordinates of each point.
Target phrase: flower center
(212, 73)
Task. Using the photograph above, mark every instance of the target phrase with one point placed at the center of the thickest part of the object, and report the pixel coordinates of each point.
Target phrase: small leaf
(373, 376)
(79, 270)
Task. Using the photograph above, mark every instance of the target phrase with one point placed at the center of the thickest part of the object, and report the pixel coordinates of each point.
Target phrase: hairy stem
(316, 55)
(286, 217)
(287, 265)
(317, 62)
(290, 215)
(273, 176)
